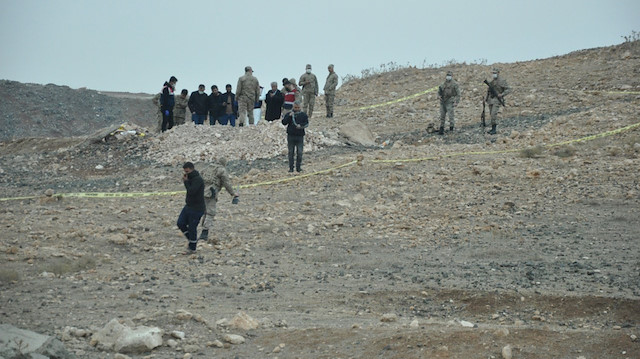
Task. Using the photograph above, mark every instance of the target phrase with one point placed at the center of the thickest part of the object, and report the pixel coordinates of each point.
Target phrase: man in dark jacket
(194, 208)
(167, 101)
(296, 121)
(199, 105)
(274, 100)
(229, 107)
(215, 105)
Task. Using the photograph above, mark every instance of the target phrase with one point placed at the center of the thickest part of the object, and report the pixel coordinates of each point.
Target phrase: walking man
(194, 207)
(449, 95)
(330, 90)
(217, 179)
(309, 83)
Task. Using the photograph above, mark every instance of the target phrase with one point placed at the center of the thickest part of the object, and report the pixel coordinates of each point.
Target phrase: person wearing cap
(291, 93)
(449, 95)
(502, 88)
(180, 109)
(309, 83)
(247, 94)
(215, 178)
(330, 90)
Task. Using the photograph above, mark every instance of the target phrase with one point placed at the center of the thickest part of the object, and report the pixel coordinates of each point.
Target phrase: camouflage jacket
(180, 109)
(331, 84)
(449, 91)
(309, 83)
(216, 178)
(501, 86)
(248, 88)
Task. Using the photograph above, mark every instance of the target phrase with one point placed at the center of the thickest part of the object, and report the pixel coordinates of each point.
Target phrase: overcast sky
(135, 45)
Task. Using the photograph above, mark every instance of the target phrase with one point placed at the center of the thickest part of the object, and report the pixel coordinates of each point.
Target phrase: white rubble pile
(207, 143)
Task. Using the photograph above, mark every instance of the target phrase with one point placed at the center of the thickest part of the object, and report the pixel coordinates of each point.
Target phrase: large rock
(357, 132)
(20, 343)
(123, 339)
(243, 321)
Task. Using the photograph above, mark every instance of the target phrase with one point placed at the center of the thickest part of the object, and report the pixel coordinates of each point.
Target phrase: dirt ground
(476, 243)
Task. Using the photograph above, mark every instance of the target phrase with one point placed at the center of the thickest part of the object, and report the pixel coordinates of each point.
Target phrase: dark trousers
(167, 120)
(230, 119)
(212, 118)
(295, 143)
(188, 224)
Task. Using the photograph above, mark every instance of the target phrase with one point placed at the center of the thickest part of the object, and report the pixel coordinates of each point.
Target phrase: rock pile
(207, 143)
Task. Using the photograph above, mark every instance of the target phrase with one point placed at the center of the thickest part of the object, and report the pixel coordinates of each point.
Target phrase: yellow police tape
(394, 101)
(435, 88)
(288, 179)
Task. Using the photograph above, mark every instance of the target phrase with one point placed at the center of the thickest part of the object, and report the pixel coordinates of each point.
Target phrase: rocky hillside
(30, 110)
(406, 244)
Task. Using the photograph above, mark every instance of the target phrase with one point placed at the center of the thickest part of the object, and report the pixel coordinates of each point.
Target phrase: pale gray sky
(135, 45)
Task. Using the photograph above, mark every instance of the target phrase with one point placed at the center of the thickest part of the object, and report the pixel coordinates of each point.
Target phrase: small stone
(49, 192)
(414, 324)
(506, 352)
(233, 338)
(633, 337)
(389, 317)
(178, 334)
(466, 324)
(121, 356)
(171, 343)
(215, 343)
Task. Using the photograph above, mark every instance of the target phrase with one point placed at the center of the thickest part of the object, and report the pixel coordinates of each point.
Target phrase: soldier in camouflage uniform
(330, 90)
(503, 89)
(214, 179)
(247, 94)
(309, 83)
(180, 108)
(449, 95)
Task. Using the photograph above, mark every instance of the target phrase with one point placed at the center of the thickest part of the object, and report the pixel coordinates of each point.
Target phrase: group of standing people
(226, 107)
(449, 96)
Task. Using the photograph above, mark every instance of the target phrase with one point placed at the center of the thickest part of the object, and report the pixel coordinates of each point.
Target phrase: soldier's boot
(204, 235)
(451, 128)
(441, 130)
(493, 130)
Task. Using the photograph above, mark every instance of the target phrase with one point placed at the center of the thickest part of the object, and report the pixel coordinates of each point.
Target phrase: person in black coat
(296, 121)
(216, 108)
(274, 100)
(194, 207)
(199, 105)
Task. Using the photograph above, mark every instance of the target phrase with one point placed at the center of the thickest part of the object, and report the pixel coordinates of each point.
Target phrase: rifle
(482, 116)
(494, 93)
